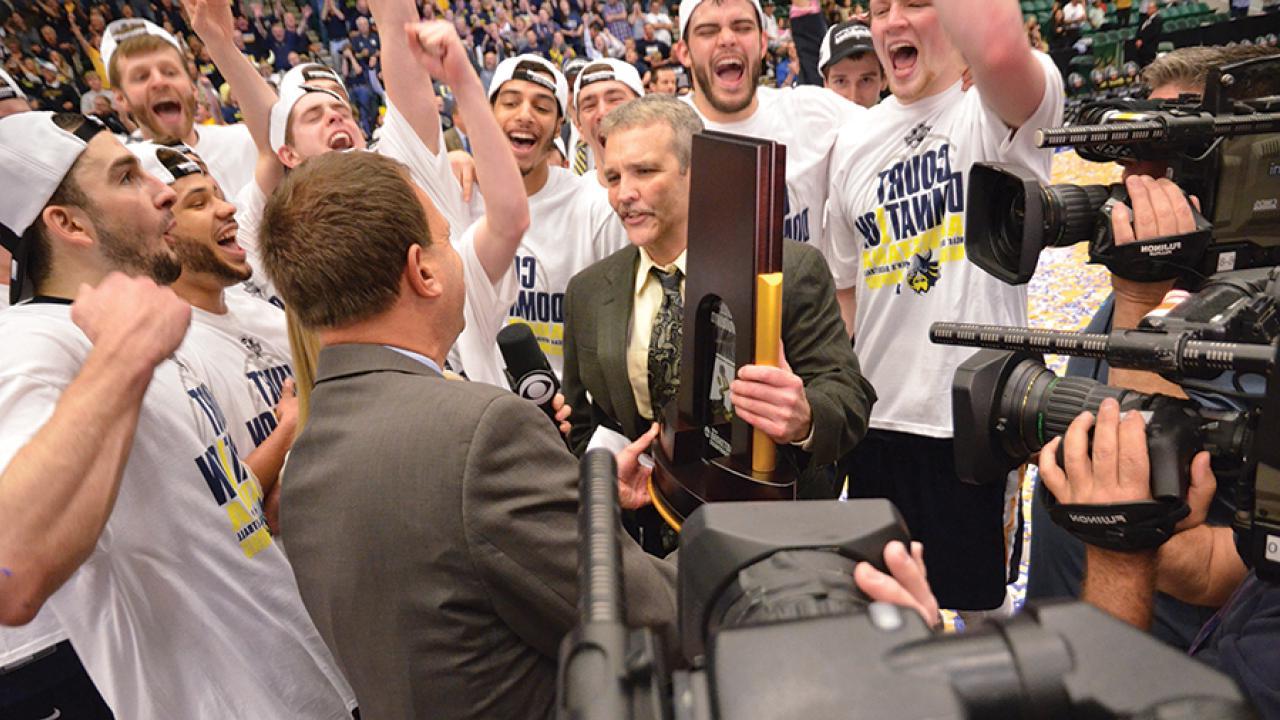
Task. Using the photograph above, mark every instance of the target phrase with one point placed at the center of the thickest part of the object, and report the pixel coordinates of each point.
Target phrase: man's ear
(289, 157)
(420, 274)
(681, 51)
(69, 225)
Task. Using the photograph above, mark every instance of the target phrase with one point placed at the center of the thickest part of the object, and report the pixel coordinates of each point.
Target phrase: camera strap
(1154, 260)
(1126, 527)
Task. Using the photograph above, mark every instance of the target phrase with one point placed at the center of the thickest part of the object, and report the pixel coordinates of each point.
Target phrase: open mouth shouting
(226, 240)
(341, 140)
(730, 71)
(168, 112)
(902, 58)
(523, 143)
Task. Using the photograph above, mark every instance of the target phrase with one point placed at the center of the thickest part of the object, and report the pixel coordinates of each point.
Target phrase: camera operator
(1185, 601)
(1243, 638)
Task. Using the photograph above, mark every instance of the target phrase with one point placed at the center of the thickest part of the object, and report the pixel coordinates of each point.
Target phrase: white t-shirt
(485, 312)
(897, 215)
(807, 120)
(186, 607)
(246, 351)
(571, 227)
(229, 152)
(250, 203)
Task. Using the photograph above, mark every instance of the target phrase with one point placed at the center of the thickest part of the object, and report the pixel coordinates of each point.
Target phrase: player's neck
(716, 116)
(191, 139)
(201, 292)
(535, 179)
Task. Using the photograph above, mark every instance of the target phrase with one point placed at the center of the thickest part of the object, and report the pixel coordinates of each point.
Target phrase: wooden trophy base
(679, 490)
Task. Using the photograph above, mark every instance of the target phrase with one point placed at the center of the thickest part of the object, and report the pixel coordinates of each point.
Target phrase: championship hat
(623, 72)
(846, 39)
(688, 6)
(510, 69)
(124, 29)
(35, 156)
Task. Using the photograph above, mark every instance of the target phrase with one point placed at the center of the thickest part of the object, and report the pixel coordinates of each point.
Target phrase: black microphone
(528, 371)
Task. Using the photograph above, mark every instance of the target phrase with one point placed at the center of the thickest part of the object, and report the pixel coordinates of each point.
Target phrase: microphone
(528, 371)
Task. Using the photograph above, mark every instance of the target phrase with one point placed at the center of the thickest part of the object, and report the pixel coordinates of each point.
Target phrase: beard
(197, 257)
(162, 135)
(702, 74)
(126, 255)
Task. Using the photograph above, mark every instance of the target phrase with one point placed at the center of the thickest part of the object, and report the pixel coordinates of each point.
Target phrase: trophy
(732, 317)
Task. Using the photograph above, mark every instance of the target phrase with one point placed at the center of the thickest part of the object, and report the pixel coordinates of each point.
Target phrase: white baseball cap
(623, 72)
(35, 156)
(688, 6)
(121, 30)
(10, 90)
(510, 69)
(169, 163)
(290, 94)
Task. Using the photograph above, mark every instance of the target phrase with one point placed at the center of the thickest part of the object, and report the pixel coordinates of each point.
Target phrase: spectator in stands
(282, 42)
(769, 24)
(486, 70)
(573, 28)
(88, 100)
(615, 18)
(335, 27)
(1123, 9)
(1098, 14)
(54, 94)
(663, 80)
(1034, 35)
(649, 41)
(661, 22)
(1149, 33)
(1239, 8)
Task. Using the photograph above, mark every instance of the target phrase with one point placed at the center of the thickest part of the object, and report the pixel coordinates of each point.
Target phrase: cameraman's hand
(1159, 209)
(906, 585)
(1118, 472)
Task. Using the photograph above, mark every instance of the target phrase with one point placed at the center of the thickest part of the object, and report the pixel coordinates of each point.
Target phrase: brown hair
(336, 233)
(1190, 66)
(140, 45)
(657, 110)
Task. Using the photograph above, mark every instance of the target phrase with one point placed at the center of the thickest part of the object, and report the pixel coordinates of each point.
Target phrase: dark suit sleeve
(520, 514)
(818, 350)
(581, 419)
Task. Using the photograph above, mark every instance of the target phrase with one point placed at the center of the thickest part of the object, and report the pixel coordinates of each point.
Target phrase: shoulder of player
(41, 342)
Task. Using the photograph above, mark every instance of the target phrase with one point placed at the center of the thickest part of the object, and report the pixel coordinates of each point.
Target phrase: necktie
(580, 158)
(664, 344)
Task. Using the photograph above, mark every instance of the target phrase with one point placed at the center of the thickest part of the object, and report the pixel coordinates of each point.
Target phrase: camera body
(773, 628)
(1224, 150)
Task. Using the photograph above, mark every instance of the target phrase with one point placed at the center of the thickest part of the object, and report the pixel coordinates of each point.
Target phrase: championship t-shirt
(230, 153)
(807, 120)
(246, 351)
(571, 227)
(485, 312)
(899, 178)
(186, 607)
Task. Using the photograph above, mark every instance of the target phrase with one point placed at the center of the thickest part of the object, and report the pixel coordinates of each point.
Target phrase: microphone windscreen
(528, 371)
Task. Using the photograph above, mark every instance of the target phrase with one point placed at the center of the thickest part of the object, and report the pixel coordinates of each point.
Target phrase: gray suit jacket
(598, 319)
(432, 529)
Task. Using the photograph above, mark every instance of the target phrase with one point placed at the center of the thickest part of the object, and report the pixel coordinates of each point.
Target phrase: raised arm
(439, 51)
(212, 22)
(60, 488)
(998, 53)
(402, 74)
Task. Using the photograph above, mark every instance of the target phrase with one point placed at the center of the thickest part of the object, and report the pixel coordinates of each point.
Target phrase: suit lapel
(612, 328)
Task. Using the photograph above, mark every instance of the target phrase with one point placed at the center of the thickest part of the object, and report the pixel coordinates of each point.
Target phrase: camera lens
(1070, 212)
(1037, 405)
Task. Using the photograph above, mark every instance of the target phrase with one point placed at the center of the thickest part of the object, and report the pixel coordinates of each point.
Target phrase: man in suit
(815, 406)
(431, 523)
(1150, 31)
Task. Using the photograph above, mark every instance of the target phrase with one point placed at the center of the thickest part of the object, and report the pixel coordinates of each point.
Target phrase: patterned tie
(664, 344)
(580, 158)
